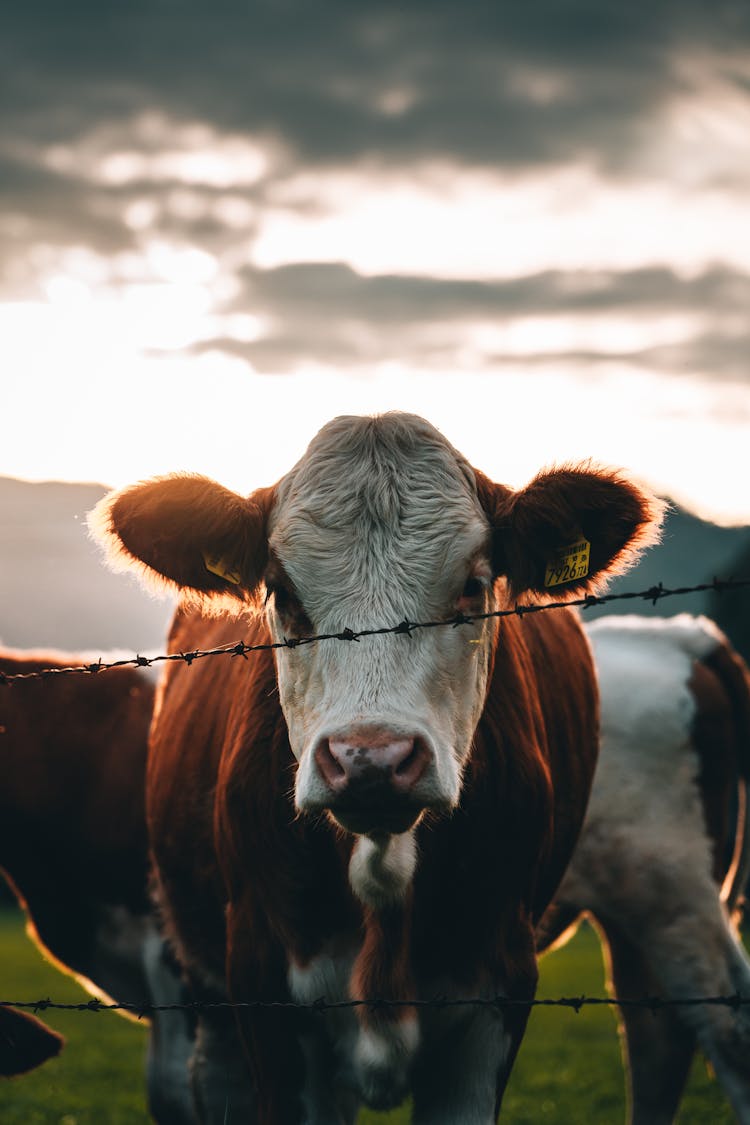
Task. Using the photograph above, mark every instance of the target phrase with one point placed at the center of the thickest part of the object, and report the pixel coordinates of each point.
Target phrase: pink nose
(371, 756)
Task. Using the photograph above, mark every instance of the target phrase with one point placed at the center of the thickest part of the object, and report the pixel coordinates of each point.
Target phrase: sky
(221, 224)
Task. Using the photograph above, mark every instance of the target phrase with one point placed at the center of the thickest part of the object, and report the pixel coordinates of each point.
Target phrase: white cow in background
(656, 865)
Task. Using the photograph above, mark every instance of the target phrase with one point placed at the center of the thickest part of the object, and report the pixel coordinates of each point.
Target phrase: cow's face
(380, 522)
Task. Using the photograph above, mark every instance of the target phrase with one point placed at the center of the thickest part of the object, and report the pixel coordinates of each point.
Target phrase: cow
(664, 856)
(73, 847)
(382, 818)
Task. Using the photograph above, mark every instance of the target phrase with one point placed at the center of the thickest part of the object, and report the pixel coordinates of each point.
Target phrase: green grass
(98, 1078)
(568, 1070)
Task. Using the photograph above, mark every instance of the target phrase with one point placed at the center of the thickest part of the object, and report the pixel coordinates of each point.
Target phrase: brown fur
(531, 526)
(220, 799)
(72, 825)
(721, 736)
(167, 527)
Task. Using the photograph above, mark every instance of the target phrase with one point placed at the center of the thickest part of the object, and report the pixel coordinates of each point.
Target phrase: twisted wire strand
(404, 628)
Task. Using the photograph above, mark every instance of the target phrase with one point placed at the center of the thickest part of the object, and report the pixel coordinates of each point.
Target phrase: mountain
(56, 591)
(692, 551)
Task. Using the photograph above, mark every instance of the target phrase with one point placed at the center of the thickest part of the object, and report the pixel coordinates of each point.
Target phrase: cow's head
(380, 522)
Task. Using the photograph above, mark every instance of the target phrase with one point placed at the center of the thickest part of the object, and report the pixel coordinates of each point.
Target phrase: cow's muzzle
(373, 778)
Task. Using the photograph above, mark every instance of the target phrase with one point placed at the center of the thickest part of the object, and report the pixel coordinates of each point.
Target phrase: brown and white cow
(385, 818)
(663, 861)
(73, 847)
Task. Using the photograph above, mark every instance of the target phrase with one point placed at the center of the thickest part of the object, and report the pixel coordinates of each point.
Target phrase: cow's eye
(289, 608)
(474, 588)
(471, 595)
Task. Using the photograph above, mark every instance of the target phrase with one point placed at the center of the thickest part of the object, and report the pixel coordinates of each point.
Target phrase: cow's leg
(171, 1039)
(270, 1038)
(466, 1051)
(728, 1042)
(700, 956)
(657, 1046)
(696, 953)
(221, 1082)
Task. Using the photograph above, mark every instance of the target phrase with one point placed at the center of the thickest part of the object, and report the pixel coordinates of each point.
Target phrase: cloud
(513, 83)
(322, 290)
(517, 87)
(649, 318)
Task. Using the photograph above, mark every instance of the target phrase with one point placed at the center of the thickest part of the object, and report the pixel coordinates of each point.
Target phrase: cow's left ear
(188, 535)
(569, 530)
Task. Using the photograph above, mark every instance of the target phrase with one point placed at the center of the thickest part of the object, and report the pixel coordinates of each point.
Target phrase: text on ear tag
(569, 565)
(221, 568)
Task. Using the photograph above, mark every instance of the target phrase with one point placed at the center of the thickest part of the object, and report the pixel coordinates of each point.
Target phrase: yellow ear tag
(569, 565)
(220, 567)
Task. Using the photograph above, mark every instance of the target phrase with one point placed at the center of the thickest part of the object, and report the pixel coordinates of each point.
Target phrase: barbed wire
(654, 1003)
(653, 594)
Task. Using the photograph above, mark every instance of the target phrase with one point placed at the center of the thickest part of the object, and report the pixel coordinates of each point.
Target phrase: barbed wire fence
(736, 1001)
(653, 594)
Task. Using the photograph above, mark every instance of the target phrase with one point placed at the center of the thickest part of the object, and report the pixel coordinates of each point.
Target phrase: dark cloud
(59, 205)
(513, 84)
(326, 291)
(332, 315)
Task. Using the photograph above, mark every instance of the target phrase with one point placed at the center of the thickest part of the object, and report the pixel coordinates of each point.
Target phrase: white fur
(643, 863)
(379, 522)
(372, 1059)
(383, 1057)
(381, 870)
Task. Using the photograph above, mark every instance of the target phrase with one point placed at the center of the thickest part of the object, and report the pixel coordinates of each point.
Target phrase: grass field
(568, 1071)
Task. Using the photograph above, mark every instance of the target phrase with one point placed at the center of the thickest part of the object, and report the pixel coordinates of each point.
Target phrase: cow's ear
(25, 1042)
(569, 530)
(187, 534)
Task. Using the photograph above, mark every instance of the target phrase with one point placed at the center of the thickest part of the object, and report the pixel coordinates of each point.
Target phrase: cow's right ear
(568, 531)
(187, 534)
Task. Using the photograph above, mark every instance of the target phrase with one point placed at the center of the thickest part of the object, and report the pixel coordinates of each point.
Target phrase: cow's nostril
(405, 765)
(412, 765)
(333, 772)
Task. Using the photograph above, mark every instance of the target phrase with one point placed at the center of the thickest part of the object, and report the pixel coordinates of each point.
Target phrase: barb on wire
(404, 628)
(654, 1003)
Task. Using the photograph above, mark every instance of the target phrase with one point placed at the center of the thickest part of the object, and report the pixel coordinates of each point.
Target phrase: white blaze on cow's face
(380, 522)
